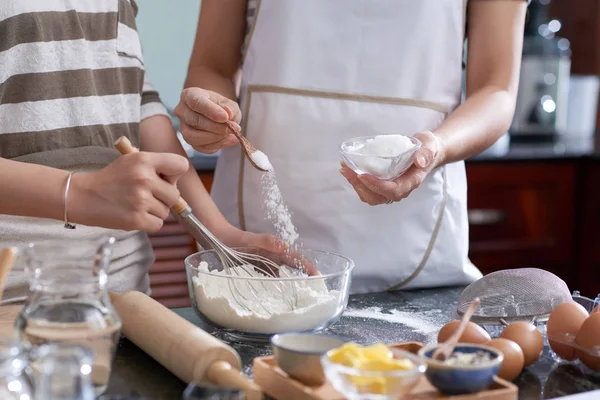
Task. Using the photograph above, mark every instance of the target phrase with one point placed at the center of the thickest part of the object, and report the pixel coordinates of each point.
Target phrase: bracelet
(68, 225)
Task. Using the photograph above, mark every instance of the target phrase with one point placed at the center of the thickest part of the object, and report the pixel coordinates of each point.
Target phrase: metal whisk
(231, 259)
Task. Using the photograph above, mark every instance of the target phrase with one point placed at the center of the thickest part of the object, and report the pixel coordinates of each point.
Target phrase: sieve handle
(482, 216)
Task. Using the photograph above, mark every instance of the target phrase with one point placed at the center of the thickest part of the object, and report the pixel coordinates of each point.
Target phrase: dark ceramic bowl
(452, 379)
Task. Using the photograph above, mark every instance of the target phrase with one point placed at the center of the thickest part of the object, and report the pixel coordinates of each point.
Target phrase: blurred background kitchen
(534, 197)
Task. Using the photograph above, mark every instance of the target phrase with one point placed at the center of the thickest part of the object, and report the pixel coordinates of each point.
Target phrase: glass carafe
(15, 383)
(64, 373)
(69, 303)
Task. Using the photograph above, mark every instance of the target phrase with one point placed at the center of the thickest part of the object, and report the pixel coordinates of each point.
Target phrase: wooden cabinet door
(589, 236)
(522, 215)
(172, 244)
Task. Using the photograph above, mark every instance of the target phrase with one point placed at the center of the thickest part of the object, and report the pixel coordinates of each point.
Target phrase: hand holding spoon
(444, 351)
(257, 158)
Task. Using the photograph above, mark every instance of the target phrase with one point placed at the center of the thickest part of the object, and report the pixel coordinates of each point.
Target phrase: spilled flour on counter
(276, 209)
(259, 307)
(423, 323)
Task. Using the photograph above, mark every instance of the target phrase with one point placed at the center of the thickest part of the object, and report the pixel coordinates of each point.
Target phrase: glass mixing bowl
(251, 306)
(382, 167)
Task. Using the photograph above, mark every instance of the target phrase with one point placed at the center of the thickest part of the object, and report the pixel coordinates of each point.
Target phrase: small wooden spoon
(248, 147)
(444, 351)
(7, 258)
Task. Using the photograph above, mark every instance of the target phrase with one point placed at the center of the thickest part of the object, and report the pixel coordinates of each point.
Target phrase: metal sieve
(528, 294)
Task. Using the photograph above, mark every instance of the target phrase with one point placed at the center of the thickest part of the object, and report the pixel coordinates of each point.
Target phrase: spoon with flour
(257, 158)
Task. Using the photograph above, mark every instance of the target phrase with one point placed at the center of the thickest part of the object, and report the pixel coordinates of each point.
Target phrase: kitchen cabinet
(172, 244)
(522, 215)
(589, 236)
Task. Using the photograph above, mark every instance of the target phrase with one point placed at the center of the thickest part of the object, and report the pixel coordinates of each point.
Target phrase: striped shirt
(72, 81)
(71, 77)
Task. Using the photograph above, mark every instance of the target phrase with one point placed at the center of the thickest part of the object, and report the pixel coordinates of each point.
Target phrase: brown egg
(528, 338)
(514, 360)
(565, 318)
(473, 333)
(588, 337)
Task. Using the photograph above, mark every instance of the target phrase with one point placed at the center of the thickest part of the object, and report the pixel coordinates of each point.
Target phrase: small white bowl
(299, 355)
(382, 167)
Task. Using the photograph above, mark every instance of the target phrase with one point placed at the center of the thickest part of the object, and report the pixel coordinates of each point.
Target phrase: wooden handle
(7, 258)
(125, 147)
(446, 349)
(180, 346)
(221, 373)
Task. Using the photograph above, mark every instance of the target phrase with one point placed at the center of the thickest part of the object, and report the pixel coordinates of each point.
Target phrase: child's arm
(157, 135)
(128, 194)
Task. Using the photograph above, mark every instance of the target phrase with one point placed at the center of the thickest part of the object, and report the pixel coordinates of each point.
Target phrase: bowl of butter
(375, 372)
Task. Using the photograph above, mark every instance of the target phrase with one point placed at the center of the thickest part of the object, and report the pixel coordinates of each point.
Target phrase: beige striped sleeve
(151, 103)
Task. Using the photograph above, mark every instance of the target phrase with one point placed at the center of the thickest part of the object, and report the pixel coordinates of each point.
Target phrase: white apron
(318, 72)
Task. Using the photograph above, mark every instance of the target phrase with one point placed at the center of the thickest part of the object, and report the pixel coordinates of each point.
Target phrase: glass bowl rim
(496, 361)
(416, 146)
(419, 366)
(346, 270)
(273, 340)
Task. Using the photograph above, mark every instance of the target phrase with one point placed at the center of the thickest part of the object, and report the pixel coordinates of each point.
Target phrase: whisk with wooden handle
(241, 264)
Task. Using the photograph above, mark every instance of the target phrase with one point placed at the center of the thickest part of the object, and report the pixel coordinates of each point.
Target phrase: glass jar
(64, 373)
(14, 380)
(69, 303)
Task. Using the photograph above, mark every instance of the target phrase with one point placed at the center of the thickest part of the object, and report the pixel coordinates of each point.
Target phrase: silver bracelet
(68, 225)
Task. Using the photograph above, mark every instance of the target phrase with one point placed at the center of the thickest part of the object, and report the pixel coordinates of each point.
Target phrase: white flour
(424, 323)
(276, 209)
(380, 146)
(384, 146)
(262, 160)
(267, 310)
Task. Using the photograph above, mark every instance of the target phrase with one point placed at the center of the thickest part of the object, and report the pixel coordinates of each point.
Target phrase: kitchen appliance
(542, 100)
(583, 106)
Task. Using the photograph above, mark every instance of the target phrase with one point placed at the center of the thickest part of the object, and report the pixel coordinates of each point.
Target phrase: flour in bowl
(266, 311)
(383, 146)
(376, 155)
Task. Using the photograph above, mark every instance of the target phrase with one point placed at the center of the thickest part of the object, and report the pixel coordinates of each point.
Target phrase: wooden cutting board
(279, 385)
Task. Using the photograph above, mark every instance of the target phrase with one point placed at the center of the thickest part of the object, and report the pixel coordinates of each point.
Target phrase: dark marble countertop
(557, 149)
(383, 317)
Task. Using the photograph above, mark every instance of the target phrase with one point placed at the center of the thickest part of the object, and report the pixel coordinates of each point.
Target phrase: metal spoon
(248, 147)
(444, 351)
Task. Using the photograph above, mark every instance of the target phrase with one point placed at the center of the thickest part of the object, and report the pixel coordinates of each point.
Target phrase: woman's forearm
(157, 135)
(476, 124)
(207, 78)
(32, 190)
(495, 42)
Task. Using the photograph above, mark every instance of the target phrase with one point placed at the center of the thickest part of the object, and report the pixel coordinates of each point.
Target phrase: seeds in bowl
(460, 359)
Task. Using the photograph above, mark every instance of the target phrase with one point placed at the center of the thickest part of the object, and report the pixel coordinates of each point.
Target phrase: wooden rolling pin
(187, 351)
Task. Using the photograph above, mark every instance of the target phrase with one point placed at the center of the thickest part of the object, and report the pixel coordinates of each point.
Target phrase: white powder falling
(276, 209)
(260, 306)
(262, 160)
(383, 146)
